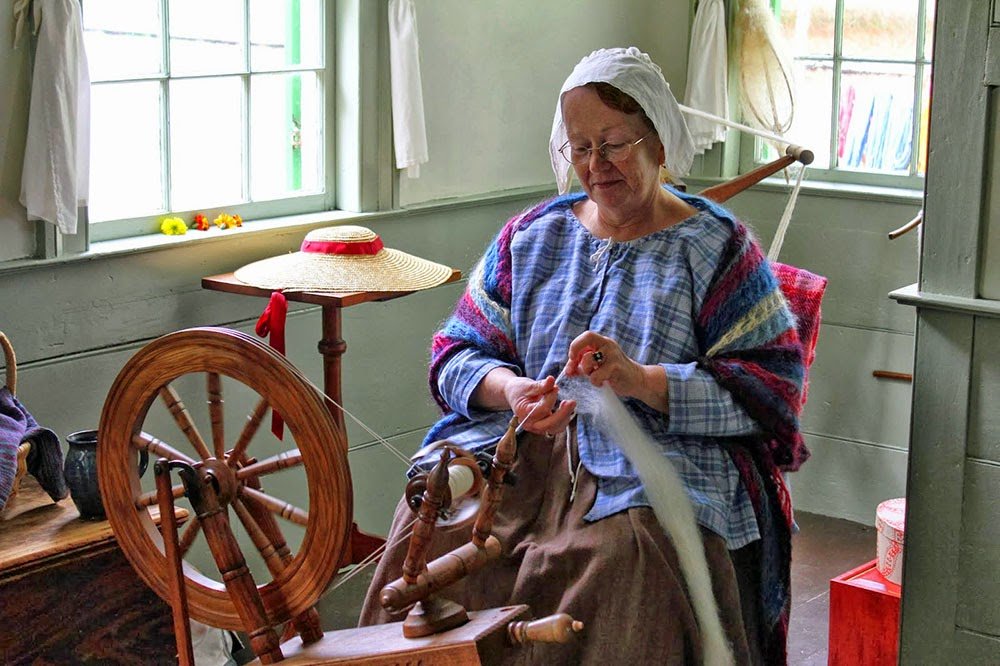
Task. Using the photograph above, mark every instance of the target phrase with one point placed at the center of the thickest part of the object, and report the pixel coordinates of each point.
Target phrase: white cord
(399, 454)
(786, 218)
(372, 558)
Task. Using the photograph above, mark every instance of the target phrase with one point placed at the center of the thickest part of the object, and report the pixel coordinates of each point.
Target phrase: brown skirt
(620, 576)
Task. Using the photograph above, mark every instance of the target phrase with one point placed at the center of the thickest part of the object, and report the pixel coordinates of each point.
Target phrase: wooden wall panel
(978, 585)
(845, 401)
(984, 398)
(848, 479)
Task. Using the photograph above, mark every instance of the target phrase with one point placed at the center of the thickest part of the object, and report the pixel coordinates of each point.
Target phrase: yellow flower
(227, 221)
(173, 226)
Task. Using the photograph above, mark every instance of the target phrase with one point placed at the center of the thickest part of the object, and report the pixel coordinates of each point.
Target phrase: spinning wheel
(244, 366)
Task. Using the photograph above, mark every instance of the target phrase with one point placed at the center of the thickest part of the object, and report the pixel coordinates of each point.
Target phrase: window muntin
(201, 105)
(862, 73)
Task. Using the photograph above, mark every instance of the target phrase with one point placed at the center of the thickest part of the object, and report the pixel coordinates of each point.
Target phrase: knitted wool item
(45, 460)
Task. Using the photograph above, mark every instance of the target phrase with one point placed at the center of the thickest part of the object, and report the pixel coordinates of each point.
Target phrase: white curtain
(409, 132)
(55, 176)
(707, 87)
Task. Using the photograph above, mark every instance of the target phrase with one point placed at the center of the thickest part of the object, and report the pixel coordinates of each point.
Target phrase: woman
(668, 300)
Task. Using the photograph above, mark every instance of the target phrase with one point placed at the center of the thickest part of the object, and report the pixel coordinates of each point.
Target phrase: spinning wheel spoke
(191, 531)
(150, 498)
(274, 505)
(158, 447)
(215, 414)
(184, 421)
(249, 430)
(273, 464)
(267, 549)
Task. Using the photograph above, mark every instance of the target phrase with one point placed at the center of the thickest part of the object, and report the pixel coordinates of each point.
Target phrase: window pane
(880, 29)
(286, 148)
(125, 152)
(123, 39)
(808, 26)
(929, 29)
(814, 99)
(206, 37)
(285, 32)
(206, 142)
(876, 117)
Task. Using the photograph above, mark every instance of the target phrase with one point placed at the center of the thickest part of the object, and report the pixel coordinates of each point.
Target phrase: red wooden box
(864, 618)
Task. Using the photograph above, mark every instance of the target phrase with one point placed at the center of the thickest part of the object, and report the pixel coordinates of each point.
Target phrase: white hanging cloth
(707, 75)
(55, 176)
(409, 131)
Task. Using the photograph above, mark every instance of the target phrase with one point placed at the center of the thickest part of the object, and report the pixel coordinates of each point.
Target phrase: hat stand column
(332, 347)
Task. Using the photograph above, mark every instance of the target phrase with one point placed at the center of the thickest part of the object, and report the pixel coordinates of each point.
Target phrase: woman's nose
(597, 162)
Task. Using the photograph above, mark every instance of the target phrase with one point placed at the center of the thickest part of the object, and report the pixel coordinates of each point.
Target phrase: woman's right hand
(535, 403)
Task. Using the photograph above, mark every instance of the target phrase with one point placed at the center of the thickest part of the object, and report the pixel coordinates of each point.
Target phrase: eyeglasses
(612, 152)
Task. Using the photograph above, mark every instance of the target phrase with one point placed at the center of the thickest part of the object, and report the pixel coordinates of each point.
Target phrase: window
(863, 73)
(199, 106)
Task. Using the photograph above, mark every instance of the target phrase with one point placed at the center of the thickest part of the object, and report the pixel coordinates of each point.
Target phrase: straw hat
(344, 258)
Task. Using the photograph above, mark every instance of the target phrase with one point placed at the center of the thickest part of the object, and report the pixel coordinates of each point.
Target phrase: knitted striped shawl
(749, 342)
(745, 329)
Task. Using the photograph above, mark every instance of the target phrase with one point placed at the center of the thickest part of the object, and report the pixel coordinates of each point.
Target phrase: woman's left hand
(602, 360)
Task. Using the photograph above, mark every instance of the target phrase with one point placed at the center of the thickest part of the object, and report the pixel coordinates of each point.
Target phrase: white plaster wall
(491, 72)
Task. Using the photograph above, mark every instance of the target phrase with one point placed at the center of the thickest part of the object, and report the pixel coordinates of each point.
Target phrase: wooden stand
(68, 595)
(332, 347)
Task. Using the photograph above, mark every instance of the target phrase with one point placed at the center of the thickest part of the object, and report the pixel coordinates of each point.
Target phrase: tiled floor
(823, 548)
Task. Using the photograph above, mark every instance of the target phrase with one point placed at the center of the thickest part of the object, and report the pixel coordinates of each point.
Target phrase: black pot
(80, 470)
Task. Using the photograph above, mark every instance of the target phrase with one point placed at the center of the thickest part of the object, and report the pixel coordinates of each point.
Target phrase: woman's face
(620, 189)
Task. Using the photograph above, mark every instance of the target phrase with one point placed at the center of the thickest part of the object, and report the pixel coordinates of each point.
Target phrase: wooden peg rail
(888, 374)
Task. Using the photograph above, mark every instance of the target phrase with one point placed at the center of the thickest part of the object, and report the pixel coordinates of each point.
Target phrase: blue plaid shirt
(645, 294)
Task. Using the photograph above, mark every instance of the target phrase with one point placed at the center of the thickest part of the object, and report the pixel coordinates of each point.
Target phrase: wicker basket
(10, 362)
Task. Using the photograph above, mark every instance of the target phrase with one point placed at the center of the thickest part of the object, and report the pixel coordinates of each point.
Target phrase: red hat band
(339, 247)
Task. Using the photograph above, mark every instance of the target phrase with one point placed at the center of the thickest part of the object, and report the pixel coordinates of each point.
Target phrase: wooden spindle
(183, 420)
(152, 497)
(265, 547)
(274, 505)
(158, 447)
(215, 414)
(250, 428)
(423, 531)
(191, 531)
(277, 557)
(270, 465)
(558, 628)
(503, 459)
(725, 191)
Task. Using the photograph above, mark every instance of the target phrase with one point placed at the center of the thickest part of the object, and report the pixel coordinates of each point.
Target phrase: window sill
(300, 223)
(876, 193)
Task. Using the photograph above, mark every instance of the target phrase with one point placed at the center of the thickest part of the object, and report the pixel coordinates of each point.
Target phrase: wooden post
(175, 572)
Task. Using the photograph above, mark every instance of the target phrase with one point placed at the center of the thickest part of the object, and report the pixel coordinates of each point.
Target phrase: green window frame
(754, 152)
(292, 202)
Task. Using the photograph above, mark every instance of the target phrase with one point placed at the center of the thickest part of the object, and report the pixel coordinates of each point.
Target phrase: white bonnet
(635, 74)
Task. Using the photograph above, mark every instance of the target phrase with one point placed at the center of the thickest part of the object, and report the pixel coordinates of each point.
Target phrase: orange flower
(200, 222)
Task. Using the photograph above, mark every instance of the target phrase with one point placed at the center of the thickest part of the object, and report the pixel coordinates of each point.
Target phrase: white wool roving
(669, 500)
